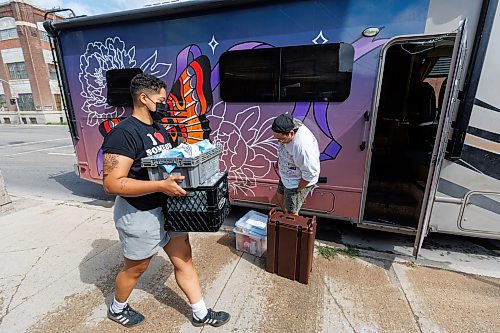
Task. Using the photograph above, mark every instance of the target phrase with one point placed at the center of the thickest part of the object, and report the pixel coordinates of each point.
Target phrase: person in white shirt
(298, 162)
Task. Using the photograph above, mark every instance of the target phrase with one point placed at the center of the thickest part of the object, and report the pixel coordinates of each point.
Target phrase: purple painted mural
(185, 52)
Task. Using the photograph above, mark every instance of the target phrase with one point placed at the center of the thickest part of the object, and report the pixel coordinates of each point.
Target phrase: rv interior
(412, 92)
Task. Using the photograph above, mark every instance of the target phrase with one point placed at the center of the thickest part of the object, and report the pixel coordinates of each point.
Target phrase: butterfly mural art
(189, 100)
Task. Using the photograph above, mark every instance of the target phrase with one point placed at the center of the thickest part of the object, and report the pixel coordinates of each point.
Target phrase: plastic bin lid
(253, 222)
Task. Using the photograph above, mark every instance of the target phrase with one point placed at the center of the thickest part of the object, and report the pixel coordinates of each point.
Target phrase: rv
(401, 96)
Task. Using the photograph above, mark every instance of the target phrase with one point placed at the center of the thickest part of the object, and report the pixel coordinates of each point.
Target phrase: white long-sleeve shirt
(299, 159)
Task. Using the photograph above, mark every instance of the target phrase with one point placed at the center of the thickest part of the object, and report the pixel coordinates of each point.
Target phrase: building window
(3, 102)
(58, 101)
(25, 102)
(52, 71)
(17, 71)
(8, 33)
(44, 36)
(310, 73)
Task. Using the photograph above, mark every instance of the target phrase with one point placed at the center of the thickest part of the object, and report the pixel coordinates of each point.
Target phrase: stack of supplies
(184, 150)
(196, 162)
(206, 204)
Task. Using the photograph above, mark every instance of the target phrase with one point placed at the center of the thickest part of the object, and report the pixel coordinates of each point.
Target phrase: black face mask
(160, 112)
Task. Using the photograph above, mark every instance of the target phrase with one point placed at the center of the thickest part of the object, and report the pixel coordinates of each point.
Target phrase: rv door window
(309, 73)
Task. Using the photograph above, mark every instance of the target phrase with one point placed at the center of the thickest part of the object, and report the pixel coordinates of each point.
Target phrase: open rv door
(448, 112)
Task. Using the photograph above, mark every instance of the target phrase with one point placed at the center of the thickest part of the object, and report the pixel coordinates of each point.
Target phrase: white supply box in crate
(196, 170)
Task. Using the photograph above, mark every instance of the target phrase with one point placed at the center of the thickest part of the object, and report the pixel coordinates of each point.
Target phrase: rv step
(388, 211)
(384, 226)
(397, 187)
(397, 207)
(391, 198)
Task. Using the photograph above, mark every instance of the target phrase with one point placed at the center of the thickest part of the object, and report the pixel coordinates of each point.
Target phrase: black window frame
(118, 86)
(9, 33)
(287, 80)
(3, 102)
(52, 71)
(17, 70)
(25, 102)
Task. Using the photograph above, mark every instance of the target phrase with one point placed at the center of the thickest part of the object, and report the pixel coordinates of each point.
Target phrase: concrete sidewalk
(59, 261)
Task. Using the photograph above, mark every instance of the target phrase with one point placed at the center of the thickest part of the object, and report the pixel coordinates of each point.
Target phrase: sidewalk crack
(338, 304)
(225, 284)
(20, 283)
(393, 275)
(90, 218)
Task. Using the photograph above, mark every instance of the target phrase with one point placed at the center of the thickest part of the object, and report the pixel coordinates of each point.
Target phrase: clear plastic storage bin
(250, 243)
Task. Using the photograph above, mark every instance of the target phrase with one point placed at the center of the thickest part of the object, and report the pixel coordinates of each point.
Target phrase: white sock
(200, 310)
(117, 307)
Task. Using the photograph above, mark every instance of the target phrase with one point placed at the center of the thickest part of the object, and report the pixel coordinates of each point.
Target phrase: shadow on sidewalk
(101, 266)
(83, 188)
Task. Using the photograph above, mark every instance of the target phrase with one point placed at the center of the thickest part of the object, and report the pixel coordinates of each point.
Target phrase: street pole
(16, 100)
(17, 111)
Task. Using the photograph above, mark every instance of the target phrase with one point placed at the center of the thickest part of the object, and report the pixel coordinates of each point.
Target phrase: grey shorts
(141, 232)
(293, 198)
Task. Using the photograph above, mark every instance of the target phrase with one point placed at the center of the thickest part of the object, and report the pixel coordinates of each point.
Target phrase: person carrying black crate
(137, 212)
(298, 162)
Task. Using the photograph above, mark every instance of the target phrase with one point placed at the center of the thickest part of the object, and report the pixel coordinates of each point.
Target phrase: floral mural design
(100, 57)
(249, 146)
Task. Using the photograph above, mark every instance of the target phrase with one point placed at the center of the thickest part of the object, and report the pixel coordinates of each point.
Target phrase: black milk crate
(203, 209)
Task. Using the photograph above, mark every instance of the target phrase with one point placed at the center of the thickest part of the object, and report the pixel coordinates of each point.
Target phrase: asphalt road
(38, 160)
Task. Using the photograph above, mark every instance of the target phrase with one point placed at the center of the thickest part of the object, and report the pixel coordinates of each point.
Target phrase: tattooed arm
(116, 180)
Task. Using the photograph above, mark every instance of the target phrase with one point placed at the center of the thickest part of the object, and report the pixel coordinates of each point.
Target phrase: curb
(5, 200)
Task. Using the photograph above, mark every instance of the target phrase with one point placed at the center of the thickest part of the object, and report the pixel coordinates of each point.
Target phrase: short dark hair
(283, 124)
(145, 83)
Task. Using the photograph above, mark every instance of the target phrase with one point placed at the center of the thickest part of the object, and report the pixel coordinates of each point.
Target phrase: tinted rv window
(288, 74)
(250, 75)
(118, 84)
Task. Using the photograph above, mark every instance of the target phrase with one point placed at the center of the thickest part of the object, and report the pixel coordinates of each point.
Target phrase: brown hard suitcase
(290, 245)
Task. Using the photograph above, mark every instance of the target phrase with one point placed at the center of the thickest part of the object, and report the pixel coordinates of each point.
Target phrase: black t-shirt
(135, 139)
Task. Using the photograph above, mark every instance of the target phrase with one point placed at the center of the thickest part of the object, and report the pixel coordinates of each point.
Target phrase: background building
(27, 72)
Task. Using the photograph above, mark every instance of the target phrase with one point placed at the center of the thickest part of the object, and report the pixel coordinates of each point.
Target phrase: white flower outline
(241, 139)
(100, 57)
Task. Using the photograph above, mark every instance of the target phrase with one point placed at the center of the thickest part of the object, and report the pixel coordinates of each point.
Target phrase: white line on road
(62, 154)
(37, 150)
(30, 142)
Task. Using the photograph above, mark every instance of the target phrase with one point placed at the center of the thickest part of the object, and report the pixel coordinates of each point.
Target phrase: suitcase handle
(310, 222)
(272, 211)
(287, 216)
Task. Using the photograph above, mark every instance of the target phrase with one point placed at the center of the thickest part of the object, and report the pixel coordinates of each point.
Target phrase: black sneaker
(213, 318)
(128, 317)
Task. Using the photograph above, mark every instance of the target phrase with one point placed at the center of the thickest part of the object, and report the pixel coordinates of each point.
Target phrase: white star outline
(213, 44)
(321, 38)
